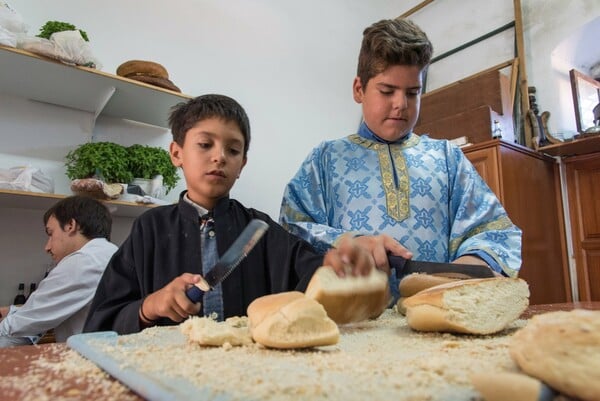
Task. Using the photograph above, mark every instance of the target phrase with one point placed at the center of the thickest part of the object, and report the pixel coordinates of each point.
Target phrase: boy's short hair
(91, 215)
(186, 114)
(392, 42)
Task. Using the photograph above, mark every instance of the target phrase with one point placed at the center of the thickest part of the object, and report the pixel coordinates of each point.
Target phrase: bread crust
(416, 282)
(563, 350)
(290, 320)
(474, 306)
(503, 386)
(160, 82)
(134, 68)
(352, 298)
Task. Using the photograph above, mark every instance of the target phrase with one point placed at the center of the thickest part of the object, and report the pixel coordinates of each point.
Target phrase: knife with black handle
(230, 259)
(405, 267)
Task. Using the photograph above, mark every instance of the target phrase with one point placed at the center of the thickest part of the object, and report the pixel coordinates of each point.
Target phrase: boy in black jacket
(170, 247)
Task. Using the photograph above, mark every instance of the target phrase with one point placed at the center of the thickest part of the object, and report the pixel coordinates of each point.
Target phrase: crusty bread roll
(505, 386)
(475, 306)
(563, 350)
(134, 68)
(351, 298)
(290, 320)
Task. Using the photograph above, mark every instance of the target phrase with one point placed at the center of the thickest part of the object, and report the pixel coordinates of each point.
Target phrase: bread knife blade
(408, 266)
(240, 248)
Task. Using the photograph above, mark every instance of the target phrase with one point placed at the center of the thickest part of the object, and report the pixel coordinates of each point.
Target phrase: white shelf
(27, 75)
(33, 77)
(43, 201)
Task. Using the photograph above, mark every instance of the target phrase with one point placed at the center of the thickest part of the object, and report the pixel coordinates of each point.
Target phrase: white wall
(290, 64)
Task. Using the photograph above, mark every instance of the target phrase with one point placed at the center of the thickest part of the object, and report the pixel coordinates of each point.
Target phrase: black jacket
(165, 242)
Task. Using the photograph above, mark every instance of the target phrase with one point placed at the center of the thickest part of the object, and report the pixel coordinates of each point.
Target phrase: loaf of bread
(351, 298)
(148, 72)
(416, 282)
(96, 188)
(474, 306)
(290, 320)
(133, 68)
(563, 350)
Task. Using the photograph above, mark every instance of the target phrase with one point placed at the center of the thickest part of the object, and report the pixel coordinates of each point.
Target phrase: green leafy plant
(107, 161)
(51, 27)
(148, 162)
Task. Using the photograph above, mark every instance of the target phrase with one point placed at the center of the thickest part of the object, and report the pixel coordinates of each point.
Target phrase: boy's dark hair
(186, 114)
(91, 215)
(392, 42)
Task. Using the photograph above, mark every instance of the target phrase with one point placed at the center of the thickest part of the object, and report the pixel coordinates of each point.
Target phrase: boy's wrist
(144, 319)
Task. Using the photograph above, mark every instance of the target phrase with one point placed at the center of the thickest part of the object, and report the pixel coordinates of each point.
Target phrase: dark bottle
(32, 288)
(20, 298)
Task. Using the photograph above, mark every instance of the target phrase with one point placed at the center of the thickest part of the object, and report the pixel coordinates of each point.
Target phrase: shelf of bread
(43, 201)
(42, 79)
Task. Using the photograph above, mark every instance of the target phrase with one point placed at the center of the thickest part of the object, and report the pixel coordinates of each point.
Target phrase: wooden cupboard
(583, 182)
(528, 185)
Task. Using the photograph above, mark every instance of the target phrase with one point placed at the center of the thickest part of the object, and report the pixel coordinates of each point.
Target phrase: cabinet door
(485, 162)
(583, 186)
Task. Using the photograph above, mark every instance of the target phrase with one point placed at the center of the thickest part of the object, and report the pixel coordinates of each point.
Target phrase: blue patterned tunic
(421, 191)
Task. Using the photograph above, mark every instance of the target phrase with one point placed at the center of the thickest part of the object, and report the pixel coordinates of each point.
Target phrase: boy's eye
(234, 151)
(386, 92)
(415, 92)
(204, 145)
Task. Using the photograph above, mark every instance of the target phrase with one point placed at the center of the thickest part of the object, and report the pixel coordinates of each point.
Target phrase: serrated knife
(408, 266)
(230, 259)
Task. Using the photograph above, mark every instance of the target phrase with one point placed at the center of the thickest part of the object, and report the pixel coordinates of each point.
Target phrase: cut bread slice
(290, 320)
(475, 306)
(209, 332)
(351, 298)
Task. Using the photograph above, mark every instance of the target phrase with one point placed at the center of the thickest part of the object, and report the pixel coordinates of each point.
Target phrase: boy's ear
(175, 152)
(242, 167)
(357, 90)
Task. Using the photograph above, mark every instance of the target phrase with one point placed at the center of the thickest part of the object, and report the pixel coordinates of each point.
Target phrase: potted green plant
(147, 162)
(106, 161)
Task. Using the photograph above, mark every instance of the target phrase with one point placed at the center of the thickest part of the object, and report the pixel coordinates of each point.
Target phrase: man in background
(78, 229)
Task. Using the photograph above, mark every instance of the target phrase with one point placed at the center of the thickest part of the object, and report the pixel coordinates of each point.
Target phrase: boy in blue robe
(398, 192)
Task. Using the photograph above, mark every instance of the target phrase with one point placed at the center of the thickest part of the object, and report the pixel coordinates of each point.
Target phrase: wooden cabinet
(528, 186)
(583, 189)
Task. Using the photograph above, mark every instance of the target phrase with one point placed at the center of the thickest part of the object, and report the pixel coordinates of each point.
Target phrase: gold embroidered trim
(397, 199)
(500, 224)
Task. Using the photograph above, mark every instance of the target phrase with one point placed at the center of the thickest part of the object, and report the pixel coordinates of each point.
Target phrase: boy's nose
(219, 154)
(400, 100)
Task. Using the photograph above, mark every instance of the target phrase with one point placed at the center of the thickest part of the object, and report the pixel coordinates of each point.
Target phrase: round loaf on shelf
(133, 68)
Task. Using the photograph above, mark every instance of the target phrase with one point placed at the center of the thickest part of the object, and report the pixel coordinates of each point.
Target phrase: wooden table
(33, 372)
